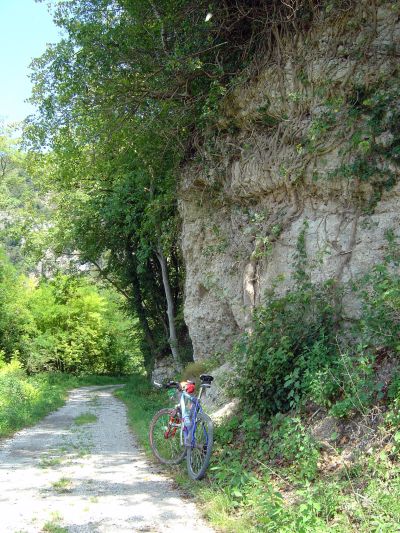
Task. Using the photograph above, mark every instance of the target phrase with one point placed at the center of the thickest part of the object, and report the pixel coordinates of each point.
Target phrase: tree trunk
(138, 305)
(173, 340)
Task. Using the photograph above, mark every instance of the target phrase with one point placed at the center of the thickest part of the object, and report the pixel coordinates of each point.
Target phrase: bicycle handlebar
(205, 383)
(169, 385)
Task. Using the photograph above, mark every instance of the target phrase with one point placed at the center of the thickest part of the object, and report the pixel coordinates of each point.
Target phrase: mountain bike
(185, 430)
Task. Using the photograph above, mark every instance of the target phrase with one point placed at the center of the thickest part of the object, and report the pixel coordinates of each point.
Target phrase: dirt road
(60, 476)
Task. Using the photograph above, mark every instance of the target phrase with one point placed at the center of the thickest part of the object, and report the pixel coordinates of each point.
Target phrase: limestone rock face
(286, 172)
(164, 370)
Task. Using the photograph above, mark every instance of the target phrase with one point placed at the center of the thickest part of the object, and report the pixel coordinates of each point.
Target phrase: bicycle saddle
(206, 379)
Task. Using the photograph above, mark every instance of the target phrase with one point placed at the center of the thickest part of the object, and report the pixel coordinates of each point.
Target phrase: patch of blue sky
(26, 28)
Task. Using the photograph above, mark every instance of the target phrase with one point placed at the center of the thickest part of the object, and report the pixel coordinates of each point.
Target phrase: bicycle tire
(168, 449)
(199, 452)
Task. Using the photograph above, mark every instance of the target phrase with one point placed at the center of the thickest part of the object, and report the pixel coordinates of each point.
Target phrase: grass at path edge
(24, 400)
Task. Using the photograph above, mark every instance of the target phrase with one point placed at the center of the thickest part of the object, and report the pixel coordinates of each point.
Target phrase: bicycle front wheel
(199, 451)
(165, 437)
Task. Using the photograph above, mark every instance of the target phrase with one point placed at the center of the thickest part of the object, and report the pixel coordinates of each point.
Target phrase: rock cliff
(303, 162)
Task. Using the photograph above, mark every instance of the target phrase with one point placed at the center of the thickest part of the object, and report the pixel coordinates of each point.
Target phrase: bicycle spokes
(165, 437)
(199, 451)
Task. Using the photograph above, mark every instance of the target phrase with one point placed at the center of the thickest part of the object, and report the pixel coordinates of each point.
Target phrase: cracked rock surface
(87, 478)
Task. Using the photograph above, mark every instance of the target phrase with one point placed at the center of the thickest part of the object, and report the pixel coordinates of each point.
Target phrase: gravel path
(59, 476)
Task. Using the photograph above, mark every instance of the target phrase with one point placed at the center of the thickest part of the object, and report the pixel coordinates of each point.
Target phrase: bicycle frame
(194, 410)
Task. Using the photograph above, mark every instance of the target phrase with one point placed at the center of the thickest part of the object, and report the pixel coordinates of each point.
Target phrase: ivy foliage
(363, 121)
(375, 142)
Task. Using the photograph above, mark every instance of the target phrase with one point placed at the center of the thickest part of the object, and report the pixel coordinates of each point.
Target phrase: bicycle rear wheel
(165, 437)
(199, 451)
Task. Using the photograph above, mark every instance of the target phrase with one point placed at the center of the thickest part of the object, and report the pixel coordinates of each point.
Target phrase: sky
(25, 28)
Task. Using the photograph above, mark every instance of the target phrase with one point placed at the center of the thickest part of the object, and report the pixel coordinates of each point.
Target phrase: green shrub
(357, 389)
(380, 320)
(293, 337)
(15, 320)
(289, 441)
(66, 324)
(80, 329)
